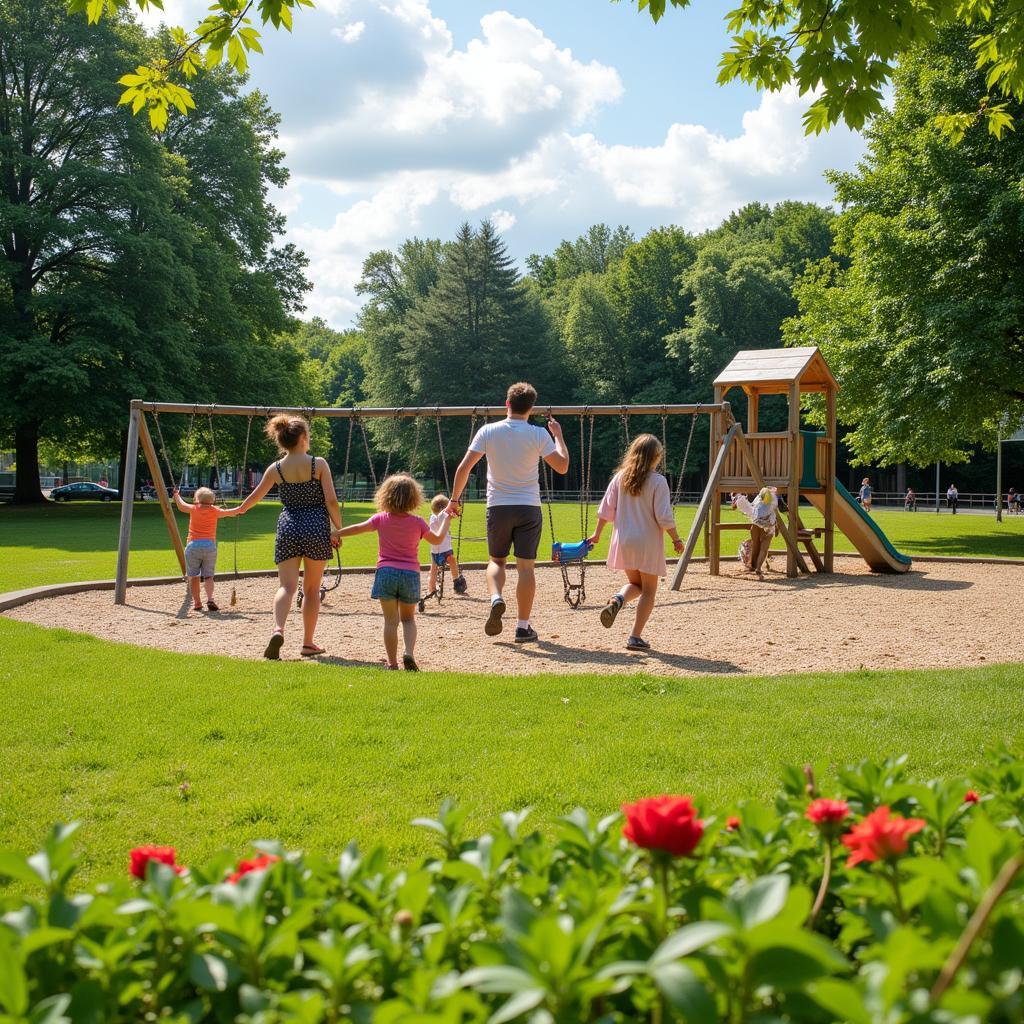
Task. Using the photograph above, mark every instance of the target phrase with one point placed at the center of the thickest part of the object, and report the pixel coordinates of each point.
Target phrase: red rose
(971, 797)
(668, 824)
(827, 814)
(880, 836)
(260, 863)
(731, 824)
(142, 855)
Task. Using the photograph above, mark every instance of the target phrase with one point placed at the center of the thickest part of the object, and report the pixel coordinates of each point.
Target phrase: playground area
(939, 615)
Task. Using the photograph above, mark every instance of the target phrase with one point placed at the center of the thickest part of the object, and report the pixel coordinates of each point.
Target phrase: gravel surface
(937, 616)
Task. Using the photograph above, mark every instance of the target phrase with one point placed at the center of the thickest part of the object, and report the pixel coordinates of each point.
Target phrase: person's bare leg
(193, 586)
(288, 584)
(407, 616)
(208, 584)
(432, 577)
(526, 587)
(454, 565)
(312, 575)
(390, 610)
(495, 576)
(644, 607)
(630, 591)
(764, 543)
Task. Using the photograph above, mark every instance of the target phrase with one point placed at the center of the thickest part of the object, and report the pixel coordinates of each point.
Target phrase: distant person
(910, 501)
(864, 495)
(514, 448)
(201, 549)
(639, 503)
(103, 482)
(1013, 501)
(396, 583)
(952, 497)
(303, 543)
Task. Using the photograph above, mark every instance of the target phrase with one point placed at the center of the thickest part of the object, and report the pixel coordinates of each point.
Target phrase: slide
(864, 533)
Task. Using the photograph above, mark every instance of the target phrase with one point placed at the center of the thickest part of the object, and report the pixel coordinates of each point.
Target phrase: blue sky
(407, 117)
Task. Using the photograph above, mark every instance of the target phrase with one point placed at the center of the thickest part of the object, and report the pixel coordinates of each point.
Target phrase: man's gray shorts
(515, 527)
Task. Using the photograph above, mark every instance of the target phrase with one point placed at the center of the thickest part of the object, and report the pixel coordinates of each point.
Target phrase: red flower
(668, 824)
(971, 797)
(880, 836)
(142, 855)
(827, 814)
(731, 824)
(260, 863)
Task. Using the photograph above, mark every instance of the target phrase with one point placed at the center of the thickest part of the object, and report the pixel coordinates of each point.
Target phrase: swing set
(570, 557)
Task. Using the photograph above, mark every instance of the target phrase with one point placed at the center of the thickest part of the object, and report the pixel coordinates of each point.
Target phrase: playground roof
(771, 370)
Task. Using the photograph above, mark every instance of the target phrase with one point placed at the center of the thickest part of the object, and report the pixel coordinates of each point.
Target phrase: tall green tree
(923, 322)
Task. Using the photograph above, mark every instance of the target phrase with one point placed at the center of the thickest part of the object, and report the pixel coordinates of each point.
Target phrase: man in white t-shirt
(514, 448)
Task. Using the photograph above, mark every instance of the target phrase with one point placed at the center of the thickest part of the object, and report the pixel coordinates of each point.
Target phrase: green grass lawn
(56, 543)
(316, 755)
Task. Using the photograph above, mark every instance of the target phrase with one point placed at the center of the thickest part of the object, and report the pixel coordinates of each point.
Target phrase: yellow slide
(863, 532)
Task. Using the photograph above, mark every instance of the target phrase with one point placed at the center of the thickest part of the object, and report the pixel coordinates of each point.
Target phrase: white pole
(938, 463)
(999, 473)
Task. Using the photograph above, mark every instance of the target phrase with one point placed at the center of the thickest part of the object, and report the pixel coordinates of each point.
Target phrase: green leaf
(688, 940)
(211, 972)
(14, 865)
(13, 985)
(842, 999)
(498, 979)
(680, 985)
(763, 900)
(519, 1004)
(51, 1010)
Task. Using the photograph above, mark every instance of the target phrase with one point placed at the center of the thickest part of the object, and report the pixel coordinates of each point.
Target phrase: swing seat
(562, 552)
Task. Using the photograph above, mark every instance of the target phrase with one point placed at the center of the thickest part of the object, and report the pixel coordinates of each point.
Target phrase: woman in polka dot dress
(304, 539)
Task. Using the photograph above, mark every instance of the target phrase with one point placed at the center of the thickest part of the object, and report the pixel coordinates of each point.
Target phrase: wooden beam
(714, 540)
(753, 408)
(795, 468)
(830, 480)
(124, 538)
(755, 471)
(709, 499)
(161, 491)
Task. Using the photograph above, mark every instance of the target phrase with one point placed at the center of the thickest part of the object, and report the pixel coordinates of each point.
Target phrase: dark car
(83, 492)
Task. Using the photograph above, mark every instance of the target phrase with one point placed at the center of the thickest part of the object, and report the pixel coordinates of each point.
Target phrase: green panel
(809, 480)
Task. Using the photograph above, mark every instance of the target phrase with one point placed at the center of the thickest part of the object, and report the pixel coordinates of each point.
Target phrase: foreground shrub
(882, 900)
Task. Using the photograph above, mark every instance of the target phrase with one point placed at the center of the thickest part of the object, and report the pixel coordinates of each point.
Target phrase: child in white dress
(763, 516)
(638, 502)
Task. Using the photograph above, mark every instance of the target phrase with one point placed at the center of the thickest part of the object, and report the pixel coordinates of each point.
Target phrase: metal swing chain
(417, 427)
(242, 490)
(664, 441)
(624, 414)
(167, 457)
(686, 458)
(213, 446)
(341, 507)
(366, 446)
(462, 503)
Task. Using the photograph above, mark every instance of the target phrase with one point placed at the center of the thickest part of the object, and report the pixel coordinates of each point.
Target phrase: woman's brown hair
(641, 459)
(286, 431)
(399, 493)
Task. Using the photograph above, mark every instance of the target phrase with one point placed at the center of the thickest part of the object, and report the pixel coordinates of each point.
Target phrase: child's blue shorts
(402, 585)
(441, 558)
(201, 558)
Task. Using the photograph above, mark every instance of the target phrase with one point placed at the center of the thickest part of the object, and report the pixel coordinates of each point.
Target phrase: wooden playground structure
(799, 463)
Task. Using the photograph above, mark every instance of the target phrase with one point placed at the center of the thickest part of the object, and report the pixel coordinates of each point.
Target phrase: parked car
(83, 492)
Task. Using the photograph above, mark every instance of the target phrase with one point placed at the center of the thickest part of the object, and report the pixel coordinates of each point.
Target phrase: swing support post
(161, 490)
(124, 538)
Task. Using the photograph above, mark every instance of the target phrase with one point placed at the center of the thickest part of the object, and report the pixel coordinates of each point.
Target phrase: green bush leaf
(686, 993)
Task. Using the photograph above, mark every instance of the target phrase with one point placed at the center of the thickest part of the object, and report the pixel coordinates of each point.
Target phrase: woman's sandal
(273, 651)
(409, 663)
(609, 611)
(312, 650)
(637, 643)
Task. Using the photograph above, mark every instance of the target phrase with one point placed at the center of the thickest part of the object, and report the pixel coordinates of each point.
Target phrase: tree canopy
(921, 313)
(845, 51)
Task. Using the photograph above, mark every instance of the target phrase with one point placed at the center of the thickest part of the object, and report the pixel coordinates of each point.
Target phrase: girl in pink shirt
(638, 502)
(396, 584)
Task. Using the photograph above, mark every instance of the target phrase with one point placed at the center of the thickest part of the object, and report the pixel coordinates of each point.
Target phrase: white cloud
(502, 220)
(351, 32)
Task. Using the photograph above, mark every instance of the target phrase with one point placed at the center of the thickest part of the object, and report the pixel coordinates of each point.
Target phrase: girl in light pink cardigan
(638, 502)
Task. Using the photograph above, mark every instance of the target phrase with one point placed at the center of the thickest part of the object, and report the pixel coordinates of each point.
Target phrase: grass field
(315, 755)
(56, 543)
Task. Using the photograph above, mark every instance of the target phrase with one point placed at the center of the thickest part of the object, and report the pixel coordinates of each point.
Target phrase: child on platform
(763, 515)
(396, 584)
(201, 549)
(442, 554)
(638, 502)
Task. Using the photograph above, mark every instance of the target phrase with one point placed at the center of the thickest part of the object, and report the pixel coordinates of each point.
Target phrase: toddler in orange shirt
(201, 550)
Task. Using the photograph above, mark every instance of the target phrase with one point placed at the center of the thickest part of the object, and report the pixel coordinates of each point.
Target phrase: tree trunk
(26, 448)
